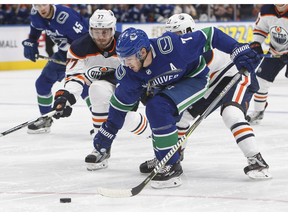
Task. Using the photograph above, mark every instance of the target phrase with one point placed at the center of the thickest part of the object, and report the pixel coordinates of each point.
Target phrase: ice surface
(37, 170)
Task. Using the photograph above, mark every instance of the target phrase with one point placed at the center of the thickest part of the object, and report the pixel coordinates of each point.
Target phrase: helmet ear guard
(182, 22)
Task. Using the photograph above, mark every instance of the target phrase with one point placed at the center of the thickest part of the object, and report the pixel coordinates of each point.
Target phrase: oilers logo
(98, 72)
(279, 35)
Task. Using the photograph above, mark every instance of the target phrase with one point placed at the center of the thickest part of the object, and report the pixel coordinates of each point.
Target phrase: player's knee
(100, 92)
(160, 111)
(232, 115)
(264, 85)
(43, 85)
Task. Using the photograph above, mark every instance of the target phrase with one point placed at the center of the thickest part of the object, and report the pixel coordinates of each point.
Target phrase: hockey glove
(30, 49)
(245, 58)
(284, 58)
(256, 46)
(104, 138)
(63, 101)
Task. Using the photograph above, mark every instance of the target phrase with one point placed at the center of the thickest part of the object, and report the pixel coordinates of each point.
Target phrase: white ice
(37, 170)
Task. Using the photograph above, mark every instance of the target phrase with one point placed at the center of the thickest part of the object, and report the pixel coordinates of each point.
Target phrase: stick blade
(115, 193)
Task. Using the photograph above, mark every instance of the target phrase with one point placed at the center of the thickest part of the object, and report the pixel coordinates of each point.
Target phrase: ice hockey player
(92, 59)
(273, 20)
(233, 106)
(143, 59)
(62, 25)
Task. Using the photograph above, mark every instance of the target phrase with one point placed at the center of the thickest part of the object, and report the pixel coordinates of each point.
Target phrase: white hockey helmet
(103, 19)
(182, 22)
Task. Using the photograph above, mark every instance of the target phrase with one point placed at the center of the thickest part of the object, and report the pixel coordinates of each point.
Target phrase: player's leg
(266, 74)
(100, 92)
(182, 127)
(163, 112)
(51, 73)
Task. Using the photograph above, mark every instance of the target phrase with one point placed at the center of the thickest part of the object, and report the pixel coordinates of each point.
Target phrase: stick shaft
(50, 114)
(50, 59)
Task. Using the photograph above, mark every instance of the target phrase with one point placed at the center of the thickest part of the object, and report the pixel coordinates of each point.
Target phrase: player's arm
(74, 84)
(124, 99)
(261, 28)
(31, 45)
(209, 38)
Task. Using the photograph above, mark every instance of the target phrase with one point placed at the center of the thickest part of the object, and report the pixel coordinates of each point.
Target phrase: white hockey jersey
(270, 21)
(86, 62)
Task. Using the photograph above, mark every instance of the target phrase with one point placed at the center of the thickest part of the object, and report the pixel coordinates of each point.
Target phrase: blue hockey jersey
(170, 52)
(65, 26)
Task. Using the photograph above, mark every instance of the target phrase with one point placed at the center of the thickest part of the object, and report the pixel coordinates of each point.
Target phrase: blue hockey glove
(104, 138)
(63, 101)
(245, 58)
(30, 49)
(284, 58)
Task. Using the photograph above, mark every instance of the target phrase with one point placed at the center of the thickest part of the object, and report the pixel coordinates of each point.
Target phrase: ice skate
(168, 176)
(97, 160)
(149, 165)
(256, 116)
(41, 126)
(257, 168)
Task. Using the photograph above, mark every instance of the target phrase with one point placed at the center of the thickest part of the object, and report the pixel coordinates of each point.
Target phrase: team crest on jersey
(279, 35)
(148, 72)
(33, 11)
(98, 72)
(165, 44)
(62, 17)
(120, 72)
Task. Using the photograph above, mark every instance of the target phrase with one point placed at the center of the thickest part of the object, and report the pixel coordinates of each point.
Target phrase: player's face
(132, 62)
(102, 37)
(45, 10)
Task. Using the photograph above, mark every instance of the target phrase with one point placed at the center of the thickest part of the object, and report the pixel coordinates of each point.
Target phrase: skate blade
(173, 182)
(97, 166)
(259, 175)
(39, 131)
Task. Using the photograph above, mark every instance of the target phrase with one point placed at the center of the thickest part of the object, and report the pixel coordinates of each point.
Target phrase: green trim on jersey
(208, 33)
(199, 69)
(165, 141)
(193, 98)
(118, 105)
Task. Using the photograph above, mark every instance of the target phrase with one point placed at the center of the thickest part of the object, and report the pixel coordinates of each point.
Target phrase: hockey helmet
(131, 41)
(182, 22)
(102, 19)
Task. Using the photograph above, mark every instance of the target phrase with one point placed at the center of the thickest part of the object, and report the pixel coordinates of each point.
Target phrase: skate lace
(100, 156)
(253, 160)
(256, 114)
(165, 169)
(45, 122)
(152, 163)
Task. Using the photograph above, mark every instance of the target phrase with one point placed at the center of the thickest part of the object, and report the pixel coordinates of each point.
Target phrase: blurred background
(142, 13)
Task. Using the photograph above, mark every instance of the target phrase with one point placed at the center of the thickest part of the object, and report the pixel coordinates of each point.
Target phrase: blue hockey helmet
(131, 41)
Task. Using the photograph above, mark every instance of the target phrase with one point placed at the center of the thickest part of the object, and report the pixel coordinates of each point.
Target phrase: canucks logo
(279, 35)
(62, 17)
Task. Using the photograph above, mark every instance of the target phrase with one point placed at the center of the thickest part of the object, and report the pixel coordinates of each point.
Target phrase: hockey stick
(50, 114)
(119, 193)
(50, 59)
(270, 56)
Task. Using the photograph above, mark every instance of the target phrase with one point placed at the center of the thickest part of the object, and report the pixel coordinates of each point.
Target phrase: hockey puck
(65, 200)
